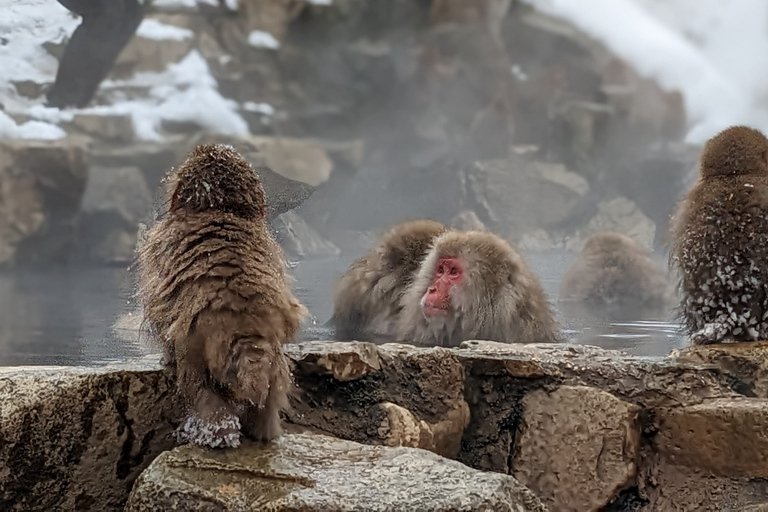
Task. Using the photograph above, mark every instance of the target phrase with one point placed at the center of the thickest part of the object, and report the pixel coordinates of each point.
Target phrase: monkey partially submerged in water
(472, 285)
(720, 241)
(367, 298)
(214, 289)
(615, 275)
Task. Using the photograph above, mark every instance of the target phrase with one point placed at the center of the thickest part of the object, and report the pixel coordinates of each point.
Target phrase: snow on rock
(261, 39)
(320, 2)
(260, 108)
(715, 95)
(29, 130)
(182, 4)
(152, 29)
(24, 27)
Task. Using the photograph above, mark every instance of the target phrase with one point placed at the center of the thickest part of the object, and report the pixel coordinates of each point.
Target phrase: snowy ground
(714, 51)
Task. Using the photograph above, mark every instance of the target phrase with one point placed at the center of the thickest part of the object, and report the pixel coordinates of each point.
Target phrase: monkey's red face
(437, 300)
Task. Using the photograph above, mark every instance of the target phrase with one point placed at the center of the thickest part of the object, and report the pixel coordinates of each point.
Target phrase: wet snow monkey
(719, 241)
(367, 298)
(615, 275)
(214, 289)
(473, 286)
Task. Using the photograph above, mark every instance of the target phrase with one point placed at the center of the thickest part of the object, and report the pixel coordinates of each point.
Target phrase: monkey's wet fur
(720, 241)
(615, 274)
(213, 284)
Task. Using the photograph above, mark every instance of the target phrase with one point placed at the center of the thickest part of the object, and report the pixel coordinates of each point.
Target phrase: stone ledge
(303, 472)
(79, 437)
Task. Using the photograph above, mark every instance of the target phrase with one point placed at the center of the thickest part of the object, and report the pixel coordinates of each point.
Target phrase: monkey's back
(367, 295)
(615, 271)
(720, 244)
(210, 281)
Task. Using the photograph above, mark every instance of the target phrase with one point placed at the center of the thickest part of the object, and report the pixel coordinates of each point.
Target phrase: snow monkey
(473, 286)
(615, 272)
(214, 288)
(719, 241)
(367, 298)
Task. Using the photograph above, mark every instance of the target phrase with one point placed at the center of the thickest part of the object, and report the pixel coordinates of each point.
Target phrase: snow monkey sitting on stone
(473, 286)
(214, 288)
(720, 241)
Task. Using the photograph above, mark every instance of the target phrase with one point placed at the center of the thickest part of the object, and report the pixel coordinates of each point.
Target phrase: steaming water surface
(66, 317)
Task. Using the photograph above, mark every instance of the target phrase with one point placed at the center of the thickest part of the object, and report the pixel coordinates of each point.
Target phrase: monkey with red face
(474, 286)
(367, 298)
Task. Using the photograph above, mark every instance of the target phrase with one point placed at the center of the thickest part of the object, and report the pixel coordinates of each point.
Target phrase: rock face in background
(581, 427)
(41, 186)
(305, 472)
(415, 109)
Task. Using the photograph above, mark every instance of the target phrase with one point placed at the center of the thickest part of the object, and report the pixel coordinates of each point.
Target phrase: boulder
(620, 215)
(577, 447)
(303, 472)
(105, 127)
(745, 363)
(299, 239)
(115, 201)
(41, 186)
(77, 438)
(153, 48)
(519, 194)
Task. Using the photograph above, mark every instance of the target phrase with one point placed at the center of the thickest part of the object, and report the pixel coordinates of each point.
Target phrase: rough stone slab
(76, 438)
(578, 447)
(343, 361)
(313, 472)
(391, 394)
(724, 437)
(746, 363)
(646, 381)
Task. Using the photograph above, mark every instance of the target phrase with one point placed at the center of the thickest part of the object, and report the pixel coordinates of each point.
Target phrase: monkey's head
(216, 177)
(736, 151)
(464, 272)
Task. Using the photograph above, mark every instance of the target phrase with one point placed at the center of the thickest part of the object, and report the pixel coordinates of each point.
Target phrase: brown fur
(501, 299)
(214, 289)
(367, 299)
(615, 271)
(720, 241)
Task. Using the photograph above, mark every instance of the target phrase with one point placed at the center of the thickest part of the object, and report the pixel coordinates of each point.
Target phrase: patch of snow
(152, 29)
(185, 92)
(231, 4)
(261, 39)
(261, 108)
(699, 55)
(320, 2)
(29, 130)
(181, 4)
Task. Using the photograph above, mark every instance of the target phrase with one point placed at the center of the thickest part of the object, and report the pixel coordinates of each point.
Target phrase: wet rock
(299, 239)
(41, 185)
(721, 437)
(76, 438)
(745, 363)
(115, 201)
(383, 393)
(153, 159)
(577, 447)
(314, 472)
(519, 194)
(107, 127)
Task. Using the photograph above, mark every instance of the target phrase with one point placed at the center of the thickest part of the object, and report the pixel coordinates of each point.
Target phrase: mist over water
(66, 317)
